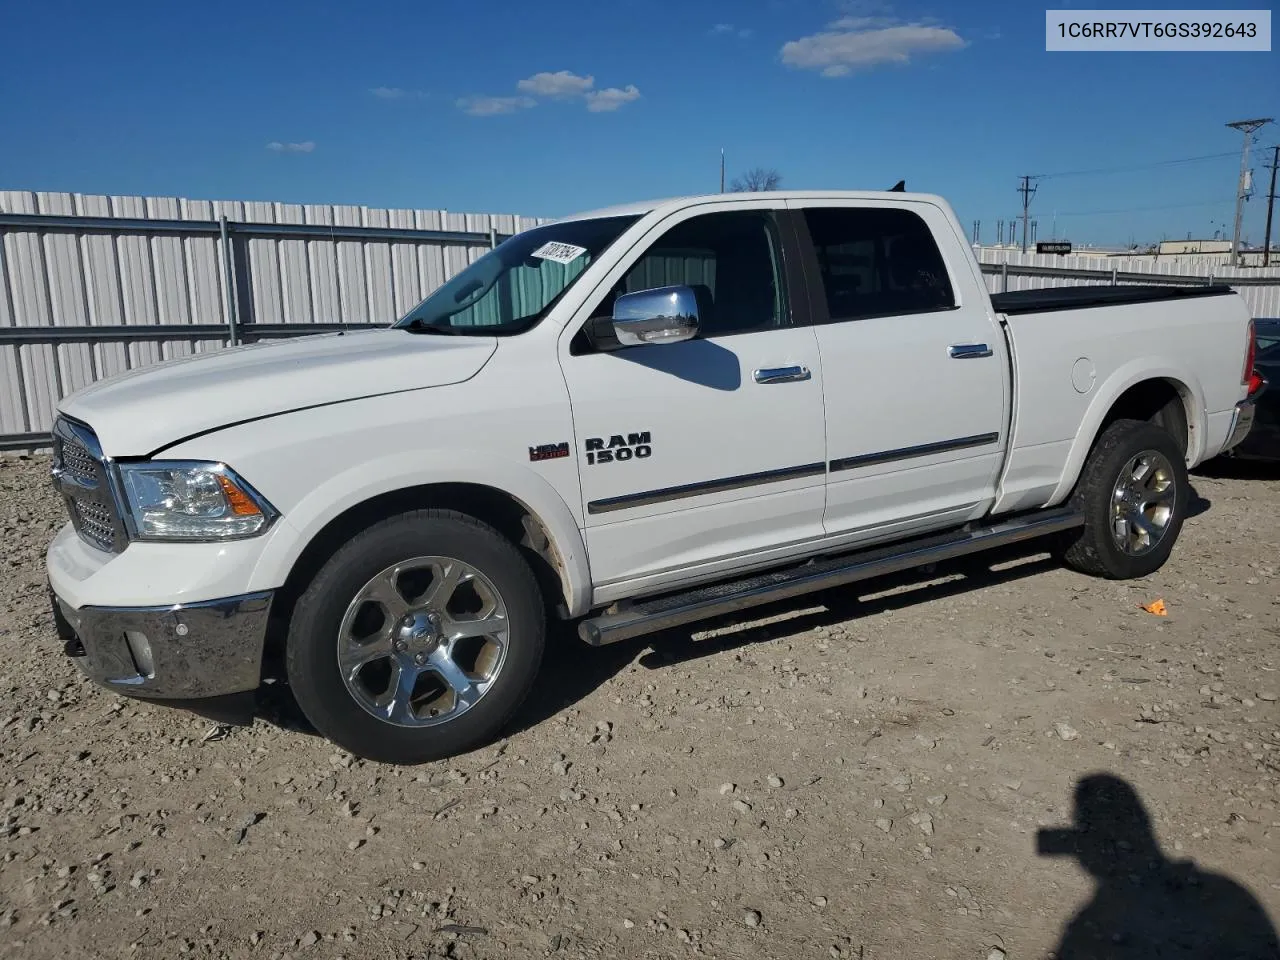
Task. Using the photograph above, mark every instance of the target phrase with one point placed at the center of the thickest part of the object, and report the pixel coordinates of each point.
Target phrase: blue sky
(543, 109)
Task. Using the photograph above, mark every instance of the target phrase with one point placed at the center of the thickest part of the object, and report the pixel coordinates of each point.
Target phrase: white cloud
(863, 23)
(611, 98)
(729, 30)
(396, 93)
(862, 42)
(493, 106)
(306, 146)
(562, 83)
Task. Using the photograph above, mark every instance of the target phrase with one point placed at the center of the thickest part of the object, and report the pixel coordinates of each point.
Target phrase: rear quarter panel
(1070, 367)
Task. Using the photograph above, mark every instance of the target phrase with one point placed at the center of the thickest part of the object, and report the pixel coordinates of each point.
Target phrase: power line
(1133, 167)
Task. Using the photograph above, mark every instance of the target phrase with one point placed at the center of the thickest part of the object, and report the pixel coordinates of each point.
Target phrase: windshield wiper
(418, 325)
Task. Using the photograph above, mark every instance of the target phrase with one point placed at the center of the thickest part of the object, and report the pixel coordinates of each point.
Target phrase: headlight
(186, 500)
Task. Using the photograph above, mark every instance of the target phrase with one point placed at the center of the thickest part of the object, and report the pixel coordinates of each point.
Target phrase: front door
(916, 373)
(696, 455)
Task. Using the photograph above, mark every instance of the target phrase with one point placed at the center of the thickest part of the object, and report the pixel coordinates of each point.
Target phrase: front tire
(1133, 491)
(418, 639)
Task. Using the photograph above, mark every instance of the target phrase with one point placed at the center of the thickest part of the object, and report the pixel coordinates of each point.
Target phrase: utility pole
(1027, 191)
(1247, 127)
(1271, 202)
(722, 169)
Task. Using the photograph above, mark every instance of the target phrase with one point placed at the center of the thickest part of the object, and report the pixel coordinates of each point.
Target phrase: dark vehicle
(1263, 440)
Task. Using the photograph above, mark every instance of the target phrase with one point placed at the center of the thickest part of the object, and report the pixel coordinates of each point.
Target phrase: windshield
(512, 287)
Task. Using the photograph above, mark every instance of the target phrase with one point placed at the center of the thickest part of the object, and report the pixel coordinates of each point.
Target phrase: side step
(673, 610)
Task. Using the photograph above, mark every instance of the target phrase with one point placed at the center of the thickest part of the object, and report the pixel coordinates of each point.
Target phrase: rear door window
(877, 262)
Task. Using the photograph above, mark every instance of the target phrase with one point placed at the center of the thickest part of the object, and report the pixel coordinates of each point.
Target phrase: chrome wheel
(1142, 503)
(423, 641)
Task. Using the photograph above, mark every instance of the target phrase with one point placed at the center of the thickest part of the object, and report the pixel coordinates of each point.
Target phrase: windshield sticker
(559, 252)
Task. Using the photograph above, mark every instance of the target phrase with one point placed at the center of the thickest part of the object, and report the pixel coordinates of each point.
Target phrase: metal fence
(1013, 270)
(92, 286)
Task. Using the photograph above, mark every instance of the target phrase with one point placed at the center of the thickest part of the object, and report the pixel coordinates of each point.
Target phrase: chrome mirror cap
(661, 315)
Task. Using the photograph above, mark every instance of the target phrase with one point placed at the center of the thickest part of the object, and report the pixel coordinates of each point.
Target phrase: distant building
(1173, 247)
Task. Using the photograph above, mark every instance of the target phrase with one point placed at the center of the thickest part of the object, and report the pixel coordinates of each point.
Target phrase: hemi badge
(548, 451)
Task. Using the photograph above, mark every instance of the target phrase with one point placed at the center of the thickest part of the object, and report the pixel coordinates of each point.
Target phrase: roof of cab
(640, 208)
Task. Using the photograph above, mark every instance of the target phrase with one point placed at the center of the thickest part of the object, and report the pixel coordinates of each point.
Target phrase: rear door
(916, 373)
(694, 456)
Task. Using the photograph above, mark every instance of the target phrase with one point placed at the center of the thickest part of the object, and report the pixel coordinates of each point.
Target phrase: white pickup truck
(632, 419)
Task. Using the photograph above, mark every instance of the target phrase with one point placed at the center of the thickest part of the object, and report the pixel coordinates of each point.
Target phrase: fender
(1120, 380)
(371, 478)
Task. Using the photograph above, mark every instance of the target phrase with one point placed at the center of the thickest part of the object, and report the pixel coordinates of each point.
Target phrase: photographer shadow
(1145, 905)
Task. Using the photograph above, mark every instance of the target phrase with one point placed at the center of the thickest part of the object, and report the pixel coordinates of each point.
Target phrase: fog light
(140, 648)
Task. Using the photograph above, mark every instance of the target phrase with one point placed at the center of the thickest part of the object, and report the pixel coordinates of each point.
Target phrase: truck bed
(1078, 298)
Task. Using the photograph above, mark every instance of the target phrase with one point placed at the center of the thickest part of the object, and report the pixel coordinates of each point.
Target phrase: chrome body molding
(646, 497)
(908, 453)
(707, 486)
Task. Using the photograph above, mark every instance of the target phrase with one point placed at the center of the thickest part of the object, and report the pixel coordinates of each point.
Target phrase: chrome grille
(80, 463)
(80, 475)
(94, 521)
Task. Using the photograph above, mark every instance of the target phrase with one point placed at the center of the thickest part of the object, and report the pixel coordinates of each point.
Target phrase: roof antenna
(899, 187)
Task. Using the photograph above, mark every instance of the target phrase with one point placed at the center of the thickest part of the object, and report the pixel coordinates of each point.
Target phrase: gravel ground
(854, 776)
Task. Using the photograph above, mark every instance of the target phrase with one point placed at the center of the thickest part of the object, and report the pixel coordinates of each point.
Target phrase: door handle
(782, 374)
(969, 351)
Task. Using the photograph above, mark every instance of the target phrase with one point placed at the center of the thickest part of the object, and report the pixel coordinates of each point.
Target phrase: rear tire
(1133, 492)
(418, 639)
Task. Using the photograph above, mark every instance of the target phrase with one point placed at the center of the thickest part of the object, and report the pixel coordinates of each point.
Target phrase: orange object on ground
(1156, 607)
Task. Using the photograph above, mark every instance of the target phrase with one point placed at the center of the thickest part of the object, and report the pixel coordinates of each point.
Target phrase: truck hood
(139, 412)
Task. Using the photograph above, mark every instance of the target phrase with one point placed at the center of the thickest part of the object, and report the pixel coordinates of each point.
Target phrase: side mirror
(661, 315)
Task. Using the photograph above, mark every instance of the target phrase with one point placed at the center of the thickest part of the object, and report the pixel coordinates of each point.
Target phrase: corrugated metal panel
(92, 278)
(137, 280)
(13, 412)
(295, 274)
(64, 275)
(406, 272)
(379, 281)
(204, 278)
(352, 296)
(322, 270)
(264, 267)
(29, 298)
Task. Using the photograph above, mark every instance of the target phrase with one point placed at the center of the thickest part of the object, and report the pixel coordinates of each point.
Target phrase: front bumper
(179, 651)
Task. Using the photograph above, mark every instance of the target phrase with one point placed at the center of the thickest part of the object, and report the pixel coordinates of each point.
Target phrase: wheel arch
(516, 501)
(555, 554)
(1162, 393)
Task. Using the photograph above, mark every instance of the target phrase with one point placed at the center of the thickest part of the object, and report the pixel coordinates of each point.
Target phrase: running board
(673, 610)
